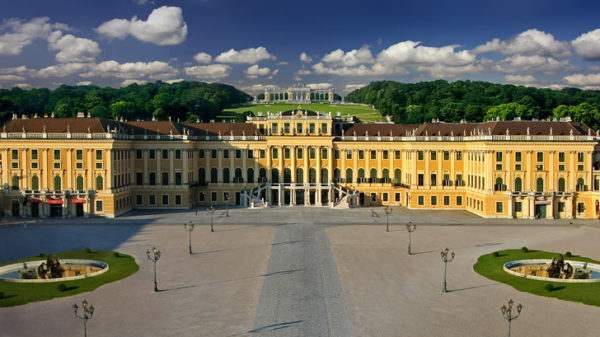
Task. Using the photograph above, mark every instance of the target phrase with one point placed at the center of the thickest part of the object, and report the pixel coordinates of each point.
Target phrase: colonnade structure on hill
(86, 166)
(298, 93)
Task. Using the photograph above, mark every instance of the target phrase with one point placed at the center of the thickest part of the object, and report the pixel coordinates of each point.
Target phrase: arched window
(15, 182)
(312, 175)
(35, 183)
(251, 175)
(324, 176)
(580, 184)
(299, 175)
(57, 183)
(539, 186)
(201, 175)
(262, 174)
(337, 175)
(385, 174)
(397, 176)
(79, 183)
(361, 173)
(99, 183)
(226, 175)
(561, 184)
(275, 176)
(214, 176)
(499, 183)
(349, 175)
(518, 185)
(287, 175)
(373, 175)
(238, 172)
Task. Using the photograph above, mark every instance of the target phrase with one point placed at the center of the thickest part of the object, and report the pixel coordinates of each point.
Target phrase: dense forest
(186, 101)
(476, 101)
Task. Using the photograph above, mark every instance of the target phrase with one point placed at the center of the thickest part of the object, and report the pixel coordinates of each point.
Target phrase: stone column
(330, 167)
(171, 167)
(508, 177)
(90, 170)
(306, 159)
(220, 167)
(427, 177)
(109, 170)
(293, 168)
(45, 169)
(184, 154)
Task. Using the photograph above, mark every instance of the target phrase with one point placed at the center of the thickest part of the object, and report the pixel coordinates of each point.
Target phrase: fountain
(52, 270)
(556, 270)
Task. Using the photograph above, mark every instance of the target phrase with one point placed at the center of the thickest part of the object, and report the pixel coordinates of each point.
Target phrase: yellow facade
(87, 166)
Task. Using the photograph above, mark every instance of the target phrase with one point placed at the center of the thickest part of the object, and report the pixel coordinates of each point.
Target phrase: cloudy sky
(345, 44)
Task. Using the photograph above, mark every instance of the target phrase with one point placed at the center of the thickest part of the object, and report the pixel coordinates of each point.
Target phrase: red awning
(78, 201)
(33, 201)
(54, 201)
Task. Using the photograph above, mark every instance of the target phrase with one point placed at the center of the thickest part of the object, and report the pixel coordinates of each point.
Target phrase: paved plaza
(301, 271)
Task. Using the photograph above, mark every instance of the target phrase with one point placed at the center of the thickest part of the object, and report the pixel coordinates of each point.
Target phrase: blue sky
(344, 44)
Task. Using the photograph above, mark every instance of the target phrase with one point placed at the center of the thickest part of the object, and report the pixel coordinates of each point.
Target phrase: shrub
(41, 255)
(88, 250)
(549, 287)
(1, 295)
(61, 287)
(496, 254)
(525, 250)
(116, 254)
(568, 254)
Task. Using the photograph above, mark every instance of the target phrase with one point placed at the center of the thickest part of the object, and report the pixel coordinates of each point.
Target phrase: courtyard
(301, 271)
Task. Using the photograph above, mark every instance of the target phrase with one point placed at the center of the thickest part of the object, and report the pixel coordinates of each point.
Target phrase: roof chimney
(80, 114)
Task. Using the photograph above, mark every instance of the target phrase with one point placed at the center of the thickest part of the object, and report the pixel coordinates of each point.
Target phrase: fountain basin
(74, 269)
(535, 269)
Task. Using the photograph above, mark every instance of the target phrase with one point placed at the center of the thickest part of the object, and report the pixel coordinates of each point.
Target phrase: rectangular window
(139, 199)
(79, 154)
(250, 154)
(34, 154)
(561, 167)
(433, 155)
(275, 128)
(561, 206)
(286, 127)
(152, 178)
(518, 206)
(57, 165)
(540, 156)
(152, 199)
(98, 154)
(324, 153)
(421, 200)
(458, 200)
(262, 153)
(446, 200)
(323, 127)
(385, 197)
(434, 179)
(238, 154)
(99, 165)
(397, 155)
(518, 167)
(433, 200)
(201, 154)
(361, 154)
(15, 154)
(561, 157)
(397, 197)
(286, 153)
(300, 153)
(225, 154)
(165, 199)
(580, 167)
(299, 127)
(99, 206)
(446, 155)
(420, 179)
(165, 178)
(213, 154)
(56, 154)
(178, 199)
(499, 167)
(213, 196)
(458, 155)
(34, 165)
(459, 181)
(139, 178)
(336, 154)
(177, 178)
(348, 154)
(138, 154)
(580, 207)
(539, 167)
(580, 157)
(152, 154)
(275, 153)
(385, 154)
(517, 156)
(373, 154)
(165, 154)
(177, 154)
(312, 153)
(311, 127)
(498, 156)
(499, 206)
(419, 155)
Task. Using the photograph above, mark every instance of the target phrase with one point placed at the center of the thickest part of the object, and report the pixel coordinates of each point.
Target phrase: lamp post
(410, 227)
(508, 314)
(211, 210)
(85, 315)
(388, 211)
(189, 227)
(154, 257)
(447, 256)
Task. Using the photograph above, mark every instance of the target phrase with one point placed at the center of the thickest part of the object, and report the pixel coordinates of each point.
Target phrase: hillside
(476, 101)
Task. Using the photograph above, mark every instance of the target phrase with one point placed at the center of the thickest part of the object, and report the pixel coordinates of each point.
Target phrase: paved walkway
(301, 294)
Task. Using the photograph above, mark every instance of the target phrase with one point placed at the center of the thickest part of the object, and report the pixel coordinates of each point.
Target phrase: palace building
(507, 169)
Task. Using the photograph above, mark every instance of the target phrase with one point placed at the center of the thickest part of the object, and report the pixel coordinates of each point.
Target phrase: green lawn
(491, 267)
(363, 112)
(21, 293)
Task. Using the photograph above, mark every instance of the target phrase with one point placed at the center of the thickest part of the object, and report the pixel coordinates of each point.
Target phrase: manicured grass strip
(120, 266)
(365, 113)
(491, 267)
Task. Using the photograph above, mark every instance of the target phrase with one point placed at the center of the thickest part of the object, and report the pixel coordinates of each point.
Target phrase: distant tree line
(186, 101)
(476, 101)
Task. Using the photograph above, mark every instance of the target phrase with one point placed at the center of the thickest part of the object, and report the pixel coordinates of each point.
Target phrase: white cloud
(255, 71)
(250, 56)
(84, 82)
(304, 72)
(175, 80)
(63, 70)
(256, 88)
(581, 80)
(129, 82)
(211, 72)
(361, 70)
(24, 86)
(353, 86)
(529, 42)
(410, 52)
(349, 59)
(11, 78)
(275, 72)
(305, 58)
(520, 79)
(445, 71)
(72, 49)
(281, 63)
(593, 68)
(20, 70)
(322, 85)
(533, 63)
(588, 45)
(22, 34)
(143, 2)
(131, 70)
(164, 26)
(203, 58)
